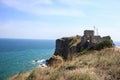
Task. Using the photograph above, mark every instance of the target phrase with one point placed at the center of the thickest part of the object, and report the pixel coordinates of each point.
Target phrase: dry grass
(75, 40)
(55, 61)
(20, 76)
(93, 65)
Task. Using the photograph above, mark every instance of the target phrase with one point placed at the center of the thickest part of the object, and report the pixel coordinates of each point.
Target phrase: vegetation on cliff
(103, 44)
(93, 65)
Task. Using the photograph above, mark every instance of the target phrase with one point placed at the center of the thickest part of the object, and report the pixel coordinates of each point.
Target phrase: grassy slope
(93, 65)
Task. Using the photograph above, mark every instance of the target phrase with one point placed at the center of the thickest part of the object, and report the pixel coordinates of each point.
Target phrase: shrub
(103, 44)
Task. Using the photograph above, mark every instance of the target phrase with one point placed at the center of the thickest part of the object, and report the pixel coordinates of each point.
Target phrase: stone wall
(88, 33)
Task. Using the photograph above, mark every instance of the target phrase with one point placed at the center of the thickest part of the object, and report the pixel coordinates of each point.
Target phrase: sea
(20, 55)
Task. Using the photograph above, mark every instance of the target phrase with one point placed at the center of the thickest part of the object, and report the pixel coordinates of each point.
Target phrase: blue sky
(51, 19)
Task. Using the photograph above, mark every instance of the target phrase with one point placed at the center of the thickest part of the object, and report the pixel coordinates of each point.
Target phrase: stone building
(89, 39)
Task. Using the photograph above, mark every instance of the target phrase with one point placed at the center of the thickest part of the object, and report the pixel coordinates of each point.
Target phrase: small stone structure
(89, 39)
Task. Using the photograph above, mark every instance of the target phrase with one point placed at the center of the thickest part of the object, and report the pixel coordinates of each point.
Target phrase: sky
(52, 19)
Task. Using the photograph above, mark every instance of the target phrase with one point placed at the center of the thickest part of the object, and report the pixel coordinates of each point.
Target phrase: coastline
(24, 75)
(42, 63)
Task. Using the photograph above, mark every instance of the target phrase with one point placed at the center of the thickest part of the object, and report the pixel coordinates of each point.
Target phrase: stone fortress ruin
(90, 39)
(70, 45)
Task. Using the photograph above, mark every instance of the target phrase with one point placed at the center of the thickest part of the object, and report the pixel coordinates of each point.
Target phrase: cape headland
(87, 57)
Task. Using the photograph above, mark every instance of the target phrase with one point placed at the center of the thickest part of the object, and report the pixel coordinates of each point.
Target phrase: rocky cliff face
(67, 45)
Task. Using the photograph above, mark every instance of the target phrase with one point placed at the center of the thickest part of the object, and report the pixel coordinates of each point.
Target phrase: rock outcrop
(55, 61)
(67, 45)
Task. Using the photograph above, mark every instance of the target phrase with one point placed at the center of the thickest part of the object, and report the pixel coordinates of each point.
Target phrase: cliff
(67, 45)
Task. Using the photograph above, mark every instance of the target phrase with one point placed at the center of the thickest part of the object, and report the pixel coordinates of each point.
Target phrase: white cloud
(42, 7)
(37, 30)
(26, 2)
(25, 29)
(48, 30)
(75, 2)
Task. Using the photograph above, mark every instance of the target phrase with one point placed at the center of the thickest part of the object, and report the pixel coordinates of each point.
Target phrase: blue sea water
(17, 55)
